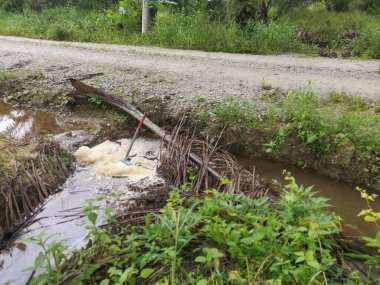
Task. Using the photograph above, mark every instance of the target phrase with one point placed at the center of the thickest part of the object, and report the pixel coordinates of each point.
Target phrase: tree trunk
(36, 5)
(265, 7)
(145, 16)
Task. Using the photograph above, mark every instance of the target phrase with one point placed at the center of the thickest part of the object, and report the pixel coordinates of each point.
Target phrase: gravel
(180, 77)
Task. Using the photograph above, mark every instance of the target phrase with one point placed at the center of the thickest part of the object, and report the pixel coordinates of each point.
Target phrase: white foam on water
(107, 158)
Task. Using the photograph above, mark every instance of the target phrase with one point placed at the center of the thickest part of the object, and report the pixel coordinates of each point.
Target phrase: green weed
(51, 258)
(96, 102)
(56, 32)
(373, 217)
(265, 85)
(223, 239)
(197, 31)
(322, 126)
(5, 76)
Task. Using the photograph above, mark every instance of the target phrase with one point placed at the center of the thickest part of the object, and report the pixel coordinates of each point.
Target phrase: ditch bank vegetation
(337, 135)
(194, 235)
(200, 231)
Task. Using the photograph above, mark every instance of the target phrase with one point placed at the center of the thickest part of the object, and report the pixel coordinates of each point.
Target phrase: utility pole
(145, 16)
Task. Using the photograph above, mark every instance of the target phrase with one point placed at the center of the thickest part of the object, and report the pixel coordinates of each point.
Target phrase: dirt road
(186, 75)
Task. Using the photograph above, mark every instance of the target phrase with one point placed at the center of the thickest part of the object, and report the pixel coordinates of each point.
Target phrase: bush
(196, 32)
(56, 32)
(273, 38)
(12, 5)
(227, 238)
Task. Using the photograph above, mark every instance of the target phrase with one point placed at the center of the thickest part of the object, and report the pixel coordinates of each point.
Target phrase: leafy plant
(97, 102)
(52, 258)
(224, 238)
(373, 217)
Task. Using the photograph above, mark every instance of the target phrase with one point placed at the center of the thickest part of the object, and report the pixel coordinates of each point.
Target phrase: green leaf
(104, 282)
(200, 259)
(114, 271)
(313, 263)
(311, 138)
(212, 253)
(92, 217)
(369, 219)
(202, 282)
(39, 260)
(146, 272)
(247, 241)
(40, 279)
(300, 259)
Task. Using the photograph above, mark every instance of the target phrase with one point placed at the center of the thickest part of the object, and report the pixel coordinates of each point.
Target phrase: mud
(17, 122)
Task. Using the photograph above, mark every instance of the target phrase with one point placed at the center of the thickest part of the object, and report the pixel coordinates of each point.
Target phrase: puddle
(61, 216)
(17, 122)
(344, 199)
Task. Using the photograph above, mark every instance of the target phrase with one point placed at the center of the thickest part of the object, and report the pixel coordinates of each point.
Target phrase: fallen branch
(87, 91)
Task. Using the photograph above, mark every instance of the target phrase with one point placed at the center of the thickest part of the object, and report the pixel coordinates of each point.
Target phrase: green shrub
(259, 242)
(12, 5)
(195, 32)
(273, 38)
(56, 32)
(318, 124)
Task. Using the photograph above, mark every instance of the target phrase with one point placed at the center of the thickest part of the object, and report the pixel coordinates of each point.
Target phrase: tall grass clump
(354, 33)
(353, 30)
(196, 32)
(273, 38)
(67, 23)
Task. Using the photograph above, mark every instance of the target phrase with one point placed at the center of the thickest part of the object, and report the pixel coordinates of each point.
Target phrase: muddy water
(62, 217)
(18, 122)
(344, 199)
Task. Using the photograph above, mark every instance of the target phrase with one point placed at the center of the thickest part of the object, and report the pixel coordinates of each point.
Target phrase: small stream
(344, 199)
(61, 215)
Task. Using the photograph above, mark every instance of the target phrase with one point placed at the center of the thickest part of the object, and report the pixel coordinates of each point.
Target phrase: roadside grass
(59, 24)
(199, 32)
(170, 30)
(324, 125)
(4, 76)
(316, 120)
(339, 124)
(336, 29)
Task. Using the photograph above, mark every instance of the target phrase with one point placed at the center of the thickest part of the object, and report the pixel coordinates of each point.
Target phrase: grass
(333, 26)
(198, 32)
(5, 76)
(315, 120)
(339, 130)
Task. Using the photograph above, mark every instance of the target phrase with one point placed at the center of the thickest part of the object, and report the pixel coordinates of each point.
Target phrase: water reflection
(343, 198)
(17, 123)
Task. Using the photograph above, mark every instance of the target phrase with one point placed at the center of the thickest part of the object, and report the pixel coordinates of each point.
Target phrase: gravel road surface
(184, 75)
